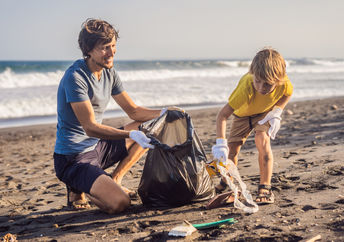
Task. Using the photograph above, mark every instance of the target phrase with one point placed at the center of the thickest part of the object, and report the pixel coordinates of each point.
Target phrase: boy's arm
(221, 121)
(220, 150)
(283, 102)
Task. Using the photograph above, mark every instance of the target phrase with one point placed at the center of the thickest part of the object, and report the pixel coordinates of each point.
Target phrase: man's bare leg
(108, 195)
(135, 152)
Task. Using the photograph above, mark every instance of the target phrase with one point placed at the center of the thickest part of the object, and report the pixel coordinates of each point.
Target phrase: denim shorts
(79, 171)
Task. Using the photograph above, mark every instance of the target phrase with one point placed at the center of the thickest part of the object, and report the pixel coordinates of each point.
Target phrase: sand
(308, 185)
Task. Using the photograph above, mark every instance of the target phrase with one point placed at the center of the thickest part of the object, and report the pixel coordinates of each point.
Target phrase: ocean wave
(316, 62)
(234, 63)
(10, 79)
(166, 74)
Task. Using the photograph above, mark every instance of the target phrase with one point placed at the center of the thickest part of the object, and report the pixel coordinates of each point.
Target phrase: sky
(178, 29)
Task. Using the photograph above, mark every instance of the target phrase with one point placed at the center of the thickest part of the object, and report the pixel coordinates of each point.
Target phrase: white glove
(220, 150)
(140, 138)
(274, 118)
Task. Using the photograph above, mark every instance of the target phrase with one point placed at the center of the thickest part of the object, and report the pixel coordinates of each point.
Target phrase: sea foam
(29, 88)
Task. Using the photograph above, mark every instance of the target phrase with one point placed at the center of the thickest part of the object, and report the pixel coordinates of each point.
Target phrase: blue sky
(178, 29)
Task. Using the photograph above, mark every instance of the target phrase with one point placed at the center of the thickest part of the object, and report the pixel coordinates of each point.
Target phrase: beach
(307, 182)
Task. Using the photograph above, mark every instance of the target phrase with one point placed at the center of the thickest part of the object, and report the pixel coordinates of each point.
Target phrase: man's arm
(135, 112)
(221, 121)
(85, 114)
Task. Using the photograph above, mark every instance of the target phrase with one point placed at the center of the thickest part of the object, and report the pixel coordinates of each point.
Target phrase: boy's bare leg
(234, 149)
(265, 158)
(135, 152)
(233, 154)
(108, 195)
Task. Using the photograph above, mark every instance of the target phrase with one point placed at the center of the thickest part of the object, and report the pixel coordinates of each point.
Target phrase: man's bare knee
(118, 206)
(108, 196)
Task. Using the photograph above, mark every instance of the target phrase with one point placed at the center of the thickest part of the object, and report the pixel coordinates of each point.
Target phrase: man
(85, 147)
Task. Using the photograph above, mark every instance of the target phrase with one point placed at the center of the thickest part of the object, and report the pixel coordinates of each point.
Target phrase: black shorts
(81, 170)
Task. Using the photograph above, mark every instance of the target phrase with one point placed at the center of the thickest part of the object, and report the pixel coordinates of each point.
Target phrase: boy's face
(263, 87)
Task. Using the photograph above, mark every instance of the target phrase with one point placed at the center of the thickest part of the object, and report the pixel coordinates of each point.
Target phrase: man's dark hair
(93, 32)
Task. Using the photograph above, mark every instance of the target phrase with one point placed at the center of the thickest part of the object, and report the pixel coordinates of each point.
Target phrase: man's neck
(94, 68)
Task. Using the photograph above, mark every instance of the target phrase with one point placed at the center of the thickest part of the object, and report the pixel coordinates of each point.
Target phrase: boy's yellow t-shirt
(246, 101)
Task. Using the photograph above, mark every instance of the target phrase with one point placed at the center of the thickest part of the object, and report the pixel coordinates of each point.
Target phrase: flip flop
(78, 204)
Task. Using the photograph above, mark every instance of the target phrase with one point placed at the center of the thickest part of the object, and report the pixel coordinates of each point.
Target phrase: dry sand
(308, 185)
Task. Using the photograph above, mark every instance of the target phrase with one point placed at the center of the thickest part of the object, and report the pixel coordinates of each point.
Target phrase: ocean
(28, 88)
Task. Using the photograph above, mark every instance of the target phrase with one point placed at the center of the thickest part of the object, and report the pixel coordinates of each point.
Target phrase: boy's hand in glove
(274, 118)
(220, 150)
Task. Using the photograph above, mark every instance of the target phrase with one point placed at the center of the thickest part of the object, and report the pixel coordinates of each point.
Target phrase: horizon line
(163, 59)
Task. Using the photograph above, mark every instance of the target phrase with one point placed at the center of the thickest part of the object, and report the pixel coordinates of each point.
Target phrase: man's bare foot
(131, 194)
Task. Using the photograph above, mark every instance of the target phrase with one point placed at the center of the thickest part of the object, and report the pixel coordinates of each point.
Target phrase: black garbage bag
(174, 173)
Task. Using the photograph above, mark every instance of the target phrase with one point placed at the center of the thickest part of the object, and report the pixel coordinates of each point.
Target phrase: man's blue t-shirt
(79, 84)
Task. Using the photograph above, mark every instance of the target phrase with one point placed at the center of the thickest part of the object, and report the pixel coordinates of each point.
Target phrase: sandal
(222, 188)
(77, 204)
(265, 197)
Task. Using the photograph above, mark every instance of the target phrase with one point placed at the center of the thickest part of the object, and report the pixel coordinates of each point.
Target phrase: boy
(256, 104)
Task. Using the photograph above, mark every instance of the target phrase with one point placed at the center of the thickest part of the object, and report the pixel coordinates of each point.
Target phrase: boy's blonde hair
(269, 66)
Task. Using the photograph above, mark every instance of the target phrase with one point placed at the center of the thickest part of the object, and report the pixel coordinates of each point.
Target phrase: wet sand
(307, 181)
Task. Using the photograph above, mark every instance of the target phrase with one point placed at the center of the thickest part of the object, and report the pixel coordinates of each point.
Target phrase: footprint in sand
(314, 186)
(285, 182)
(286, 203)
(340, 201)
(337, 225)
(335, 170)
(328, 206)
(308, 207)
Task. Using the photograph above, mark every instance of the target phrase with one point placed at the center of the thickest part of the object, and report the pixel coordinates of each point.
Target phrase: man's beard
(104, 66)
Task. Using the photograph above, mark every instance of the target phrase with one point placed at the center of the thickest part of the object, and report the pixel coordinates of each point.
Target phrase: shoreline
(307, 182)
(109, 114)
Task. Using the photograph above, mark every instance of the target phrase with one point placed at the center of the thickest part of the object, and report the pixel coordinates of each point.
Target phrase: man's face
(102, 54)
(262, 87)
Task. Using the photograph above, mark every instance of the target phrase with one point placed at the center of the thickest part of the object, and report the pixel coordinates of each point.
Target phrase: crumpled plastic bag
(232, 169)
